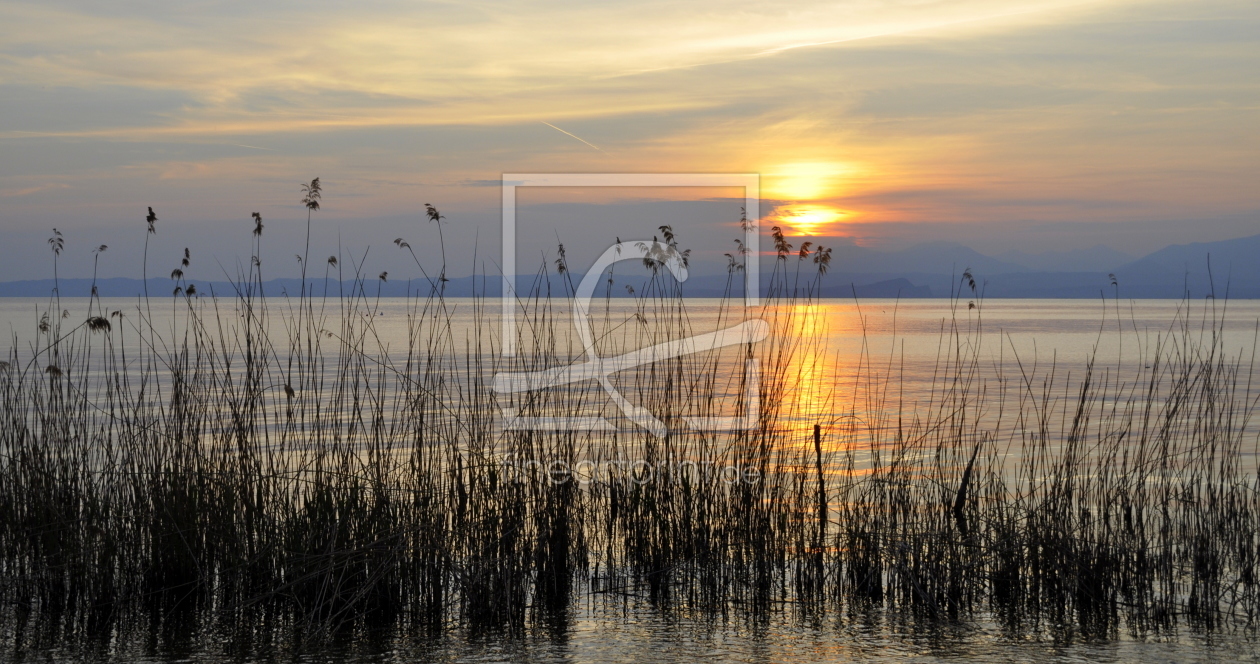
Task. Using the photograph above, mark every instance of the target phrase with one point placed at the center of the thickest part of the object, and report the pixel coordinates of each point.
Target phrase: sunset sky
(1031, 126)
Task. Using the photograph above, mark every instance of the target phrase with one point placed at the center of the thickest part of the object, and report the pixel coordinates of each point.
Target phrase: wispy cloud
(253, 68)
(27, 191)
(940, 112)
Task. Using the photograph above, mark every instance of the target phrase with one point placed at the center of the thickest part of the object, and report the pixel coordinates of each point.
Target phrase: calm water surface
(909, 334)
(646, 636)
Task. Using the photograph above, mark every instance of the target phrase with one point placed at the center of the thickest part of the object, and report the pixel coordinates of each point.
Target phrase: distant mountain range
(1226, 268)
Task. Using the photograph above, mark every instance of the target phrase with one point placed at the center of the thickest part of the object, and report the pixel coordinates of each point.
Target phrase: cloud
(27, 191)
(250, 68)
(38, 109)
(937, 114)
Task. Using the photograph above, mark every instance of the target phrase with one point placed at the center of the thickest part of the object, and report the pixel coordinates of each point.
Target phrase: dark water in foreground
(646, 636)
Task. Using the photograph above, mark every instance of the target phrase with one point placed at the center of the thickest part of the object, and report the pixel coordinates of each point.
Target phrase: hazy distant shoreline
(1031, 285)
(1222, 269)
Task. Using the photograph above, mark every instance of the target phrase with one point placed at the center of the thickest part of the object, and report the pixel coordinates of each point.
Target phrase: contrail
(574, 136)
(253, 147)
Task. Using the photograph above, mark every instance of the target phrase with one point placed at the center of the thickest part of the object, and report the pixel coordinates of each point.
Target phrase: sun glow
(804, 188)
(805, 181)
(808, 219)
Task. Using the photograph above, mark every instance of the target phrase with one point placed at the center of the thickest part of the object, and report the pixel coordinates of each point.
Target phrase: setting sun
(808, 219)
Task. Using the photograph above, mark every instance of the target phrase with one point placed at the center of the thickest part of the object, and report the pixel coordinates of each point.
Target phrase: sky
(1005, 126)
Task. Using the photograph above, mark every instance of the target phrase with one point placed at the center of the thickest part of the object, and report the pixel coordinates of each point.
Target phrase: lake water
(856, 368)
(846, 355)
(908, 340)
(646, 636)
(909, 333)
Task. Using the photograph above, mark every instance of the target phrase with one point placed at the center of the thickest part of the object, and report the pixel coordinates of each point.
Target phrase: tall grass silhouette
(266, 469)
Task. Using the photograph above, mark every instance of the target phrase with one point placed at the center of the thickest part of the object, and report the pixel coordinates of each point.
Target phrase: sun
(807, 219)
(804, 189)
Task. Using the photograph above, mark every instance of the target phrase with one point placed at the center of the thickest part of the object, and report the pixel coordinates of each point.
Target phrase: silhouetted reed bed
(265, 469)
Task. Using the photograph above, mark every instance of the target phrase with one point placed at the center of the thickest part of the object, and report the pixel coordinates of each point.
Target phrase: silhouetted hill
(1098, 258)
(931, 258)
(1234, 267)
(890, 288)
